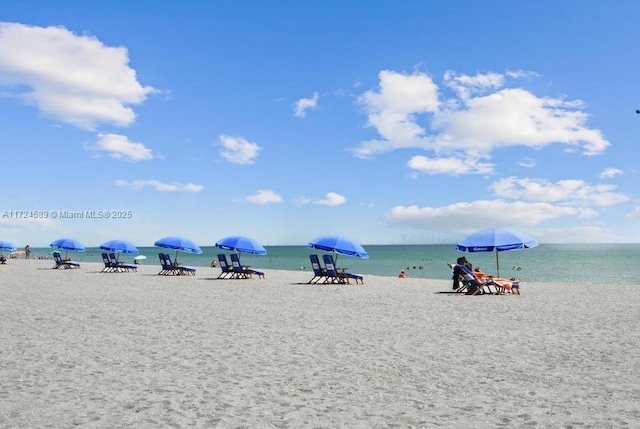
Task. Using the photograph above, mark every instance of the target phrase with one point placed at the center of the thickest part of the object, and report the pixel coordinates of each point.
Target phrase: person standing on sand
(27, 252)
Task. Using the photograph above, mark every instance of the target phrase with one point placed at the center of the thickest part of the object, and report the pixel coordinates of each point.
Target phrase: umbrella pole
(497, 263)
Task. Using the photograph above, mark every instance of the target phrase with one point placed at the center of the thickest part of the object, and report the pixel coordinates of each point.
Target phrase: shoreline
(140, 350)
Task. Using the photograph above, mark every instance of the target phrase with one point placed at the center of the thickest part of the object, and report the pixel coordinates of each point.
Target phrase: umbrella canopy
(242, 244)
(119, 246)
(340, 245)
(5, 245)
(178, 243)
(498, 240)
(67, 244)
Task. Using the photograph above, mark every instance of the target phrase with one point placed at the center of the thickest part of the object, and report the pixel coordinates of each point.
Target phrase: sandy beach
(96, 350)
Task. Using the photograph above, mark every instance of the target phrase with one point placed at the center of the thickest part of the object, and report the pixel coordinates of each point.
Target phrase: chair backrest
(113, 260)
(331, 265)
(224, 264)
(106, 260)
(163, 260)
(465, 273)
(315, 265)
(235, 261)
(57, 258)
(170, 264)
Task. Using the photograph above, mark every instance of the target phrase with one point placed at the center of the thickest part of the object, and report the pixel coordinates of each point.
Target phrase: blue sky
(390, 123)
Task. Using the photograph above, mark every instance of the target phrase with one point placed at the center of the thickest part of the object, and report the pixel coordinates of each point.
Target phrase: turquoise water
(600, 263)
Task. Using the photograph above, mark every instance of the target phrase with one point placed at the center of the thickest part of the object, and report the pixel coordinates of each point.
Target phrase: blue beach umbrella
(339, 245)
(238, 243)
(498, 240)
(67, 244)
(5, 245)
(177, 243)
(119, 246)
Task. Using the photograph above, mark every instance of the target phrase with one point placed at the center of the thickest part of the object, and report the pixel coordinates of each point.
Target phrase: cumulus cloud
(609, 173)
(238, 150)
(478, 214)
(160, 186)
(411, 111)
(71, 78)
(575, 192)
(264, 196)
(119, 147)
(304, 104)
(332, 199)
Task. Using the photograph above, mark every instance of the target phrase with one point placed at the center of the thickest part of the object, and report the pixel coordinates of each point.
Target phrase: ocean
(608, 264)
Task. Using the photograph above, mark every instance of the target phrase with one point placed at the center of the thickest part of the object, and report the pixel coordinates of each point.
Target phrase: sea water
(575, 263)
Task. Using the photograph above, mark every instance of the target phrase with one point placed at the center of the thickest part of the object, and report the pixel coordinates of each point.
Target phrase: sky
(390, 122)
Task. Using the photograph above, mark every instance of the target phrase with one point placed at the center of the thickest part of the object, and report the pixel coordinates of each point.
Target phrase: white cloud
(478, 214)
(567, 191)
(609, 173)
(409, 111)
(635, 214)
(332, 200)
(238, 150)
(119, 147)
(74, 79)
(159, 186)
(264, 196)
(304, 104)
(451, 166)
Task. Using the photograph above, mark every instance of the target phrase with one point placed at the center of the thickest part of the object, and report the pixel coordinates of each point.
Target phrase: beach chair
(180, 270)
(120, 266)
(227, 269)
(108, 267)
(339, 275)
(472, 285)
(3, 260)
(60, 263)
(243, 271)
(165, 270)
(319, 273)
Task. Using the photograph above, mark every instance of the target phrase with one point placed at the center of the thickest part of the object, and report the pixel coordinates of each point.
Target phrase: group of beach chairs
(63, 263)
(329, 273)
(469, 282)
(172, 268)
(113, 265)
(235, 270)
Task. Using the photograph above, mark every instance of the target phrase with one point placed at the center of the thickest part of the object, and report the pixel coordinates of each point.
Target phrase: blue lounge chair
(227, 270)
(60, 263)
(339, 275)
(319, 273)
(120, 266)
(166, 270)
(179, 269)
(108, 266)
(469, 283)
(243, 272)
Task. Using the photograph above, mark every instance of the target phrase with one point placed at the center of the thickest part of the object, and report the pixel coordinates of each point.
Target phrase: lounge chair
(471, 285)
(120, 266)
(227, 269)
(167, 268)
(3, 260)
(179, 269)
(60, 263)
(319, 273)
(108, 266)
(243, 271)
(339, 275)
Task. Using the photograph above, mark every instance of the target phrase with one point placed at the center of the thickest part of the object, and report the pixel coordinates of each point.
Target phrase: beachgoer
(214, 263)
(402, 274)
(27, 251)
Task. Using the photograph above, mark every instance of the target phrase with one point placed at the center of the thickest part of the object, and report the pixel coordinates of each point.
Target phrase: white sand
(81, 348)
